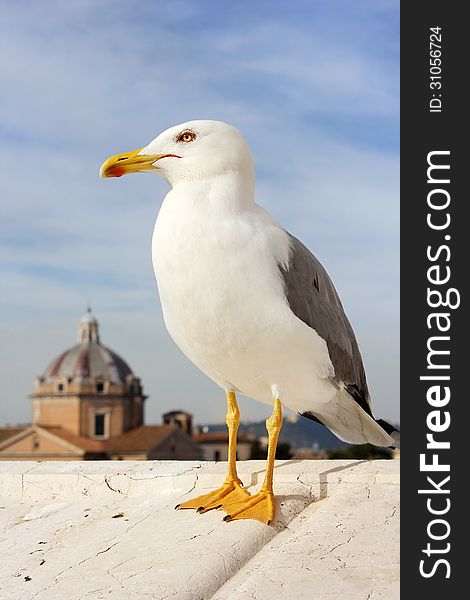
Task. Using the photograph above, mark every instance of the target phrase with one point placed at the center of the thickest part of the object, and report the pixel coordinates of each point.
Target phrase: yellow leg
(261, 506)
(231, 490)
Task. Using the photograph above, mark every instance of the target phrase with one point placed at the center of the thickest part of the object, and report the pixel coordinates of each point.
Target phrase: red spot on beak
(115, 172)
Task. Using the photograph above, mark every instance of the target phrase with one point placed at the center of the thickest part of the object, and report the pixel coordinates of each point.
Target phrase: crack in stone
(139, 572)
(80, 475)
(193, 486)
(122, 563)
(158, 475)
(169, 596)
(129, 477)
(56, 580)
(338, 546)
(390, 516)
(310, 491)
(103, 551)
(204, 535)
(110, 487)
(94, 556)
(114, 577)
(25, 473)
(137, 523)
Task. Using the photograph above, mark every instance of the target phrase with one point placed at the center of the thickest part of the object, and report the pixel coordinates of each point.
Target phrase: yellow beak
(129, 162)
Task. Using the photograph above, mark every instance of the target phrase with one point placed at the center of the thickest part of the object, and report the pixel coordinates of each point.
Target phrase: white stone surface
(107, 530)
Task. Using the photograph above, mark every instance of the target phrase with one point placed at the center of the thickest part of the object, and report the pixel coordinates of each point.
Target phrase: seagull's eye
(186, 136)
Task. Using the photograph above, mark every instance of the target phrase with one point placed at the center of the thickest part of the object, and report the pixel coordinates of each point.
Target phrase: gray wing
(313, 299)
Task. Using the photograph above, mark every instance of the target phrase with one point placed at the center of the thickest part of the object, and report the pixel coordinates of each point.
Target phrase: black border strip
(423, 246)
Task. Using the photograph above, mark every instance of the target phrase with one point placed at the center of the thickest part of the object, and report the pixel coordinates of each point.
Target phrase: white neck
(231, 191)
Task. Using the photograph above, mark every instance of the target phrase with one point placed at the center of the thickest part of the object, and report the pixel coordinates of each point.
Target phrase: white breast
(223, 299)
(212, 274)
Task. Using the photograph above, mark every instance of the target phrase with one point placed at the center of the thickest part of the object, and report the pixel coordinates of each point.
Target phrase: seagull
(248, 303)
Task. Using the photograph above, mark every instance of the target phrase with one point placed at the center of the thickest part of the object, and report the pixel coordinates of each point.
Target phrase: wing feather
(313, 298)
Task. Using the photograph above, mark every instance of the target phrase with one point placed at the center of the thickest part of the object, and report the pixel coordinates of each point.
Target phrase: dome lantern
(88, 330)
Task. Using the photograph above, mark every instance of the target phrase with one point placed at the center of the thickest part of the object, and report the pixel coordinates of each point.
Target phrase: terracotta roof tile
(215, 437)
(77, 440)
(141, 439)
(8, 432)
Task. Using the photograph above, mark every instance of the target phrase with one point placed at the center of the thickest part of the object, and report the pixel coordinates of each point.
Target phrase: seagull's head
(191, 151)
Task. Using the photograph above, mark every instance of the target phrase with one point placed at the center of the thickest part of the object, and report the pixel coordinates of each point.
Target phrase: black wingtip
(177, 506)
(227, 518)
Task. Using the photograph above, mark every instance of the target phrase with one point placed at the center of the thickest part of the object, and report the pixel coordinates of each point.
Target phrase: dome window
(99, 425)
(100, 387)
(60, 387)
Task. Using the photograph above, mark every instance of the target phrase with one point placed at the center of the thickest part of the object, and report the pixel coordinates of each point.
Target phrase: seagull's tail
(392, 431)
(348, 421)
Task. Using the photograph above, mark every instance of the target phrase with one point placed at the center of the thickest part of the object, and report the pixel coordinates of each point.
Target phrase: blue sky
(313, 85)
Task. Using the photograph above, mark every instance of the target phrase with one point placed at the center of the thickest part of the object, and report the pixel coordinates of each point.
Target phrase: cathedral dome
(88, 361)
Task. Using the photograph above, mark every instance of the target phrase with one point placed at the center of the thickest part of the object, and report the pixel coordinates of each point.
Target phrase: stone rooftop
(107, 530)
